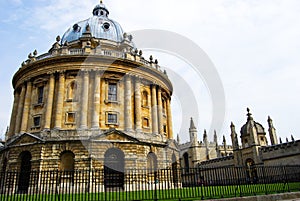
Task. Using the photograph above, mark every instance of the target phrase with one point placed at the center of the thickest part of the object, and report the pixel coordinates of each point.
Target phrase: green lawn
(187, 193)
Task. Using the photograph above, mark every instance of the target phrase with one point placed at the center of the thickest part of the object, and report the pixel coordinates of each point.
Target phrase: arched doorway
(251, 171)
(175, 169)
(25, 170)
(114, 164)
(67, 164)
(152, 162)
(186, 161)
(152, 167)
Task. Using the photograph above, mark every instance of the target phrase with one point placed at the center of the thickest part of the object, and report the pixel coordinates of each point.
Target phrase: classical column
(48, 114)
(169, 119)
(154, 110)
(96, 110)
(26, 108)
(84, 100)
(160, 112)
(60, 100)
(14, 114)
(138, 105)
(20, 109)
(102, 100)
(127, 103)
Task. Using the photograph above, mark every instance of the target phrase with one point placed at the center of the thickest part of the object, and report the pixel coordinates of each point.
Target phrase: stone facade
(254, 150)
(92, 101)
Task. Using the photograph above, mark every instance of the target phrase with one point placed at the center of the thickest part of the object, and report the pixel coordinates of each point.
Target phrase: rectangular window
(71, 118)
(112, 118)
(40, 94)
(112, 92)
(37, 121)
(165, 128)
(145, 122)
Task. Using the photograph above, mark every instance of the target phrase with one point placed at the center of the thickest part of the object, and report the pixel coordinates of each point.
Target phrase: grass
(187, 193)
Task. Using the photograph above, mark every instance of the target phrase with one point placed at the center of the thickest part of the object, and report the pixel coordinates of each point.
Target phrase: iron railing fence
(145, 184)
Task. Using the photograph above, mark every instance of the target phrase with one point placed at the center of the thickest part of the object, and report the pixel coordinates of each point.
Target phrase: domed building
(92, 101)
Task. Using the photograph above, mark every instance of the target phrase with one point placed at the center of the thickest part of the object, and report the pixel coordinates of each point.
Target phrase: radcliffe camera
(93, 118)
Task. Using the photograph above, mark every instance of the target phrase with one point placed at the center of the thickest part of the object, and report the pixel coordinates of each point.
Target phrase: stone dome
(245, 130)
(100, 27)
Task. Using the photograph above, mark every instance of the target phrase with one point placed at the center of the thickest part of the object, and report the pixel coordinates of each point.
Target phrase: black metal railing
(143, 184)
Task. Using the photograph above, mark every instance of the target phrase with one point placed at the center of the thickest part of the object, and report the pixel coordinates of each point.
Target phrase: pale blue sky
(253, 44)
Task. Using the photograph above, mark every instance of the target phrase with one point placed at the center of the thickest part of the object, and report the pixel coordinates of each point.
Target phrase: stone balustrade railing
(101, 52)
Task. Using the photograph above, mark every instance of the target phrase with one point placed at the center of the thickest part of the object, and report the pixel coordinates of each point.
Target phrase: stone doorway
(25, 170)
(114, 164)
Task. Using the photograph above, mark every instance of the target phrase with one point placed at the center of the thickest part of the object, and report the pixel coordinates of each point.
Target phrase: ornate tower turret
(253, 133)
(272, 132)
(205, 140)
(235, 143)
(193, 132)
(215, 138)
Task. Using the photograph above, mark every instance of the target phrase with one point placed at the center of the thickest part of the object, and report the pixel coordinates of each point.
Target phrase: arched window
(72, 88)
(67, 161)
(151, 162)
(145, 99)
(164, 106)
(25, 171)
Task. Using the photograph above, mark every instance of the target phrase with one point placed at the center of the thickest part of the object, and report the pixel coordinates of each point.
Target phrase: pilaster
(84, 100)
(26, 108)
(127, 103)
(48, 114)
(60, 100)
(96, 111)
(169, 119)
(20, 109)
(154, 110)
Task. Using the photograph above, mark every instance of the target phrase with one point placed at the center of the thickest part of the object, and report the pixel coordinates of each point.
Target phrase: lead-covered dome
(101, 27)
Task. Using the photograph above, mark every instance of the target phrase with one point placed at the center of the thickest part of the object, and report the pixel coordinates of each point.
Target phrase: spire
(280, 140)
(205, 137)
(232, 127)
(292, 138)
(215, 137)
(178, 139)
(234, 139)
(192, 125)
(272, 132)
(225, 145)
(193, 132)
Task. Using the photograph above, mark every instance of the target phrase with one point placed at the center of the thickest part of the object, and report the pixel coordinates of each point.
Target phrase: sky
(253, 44)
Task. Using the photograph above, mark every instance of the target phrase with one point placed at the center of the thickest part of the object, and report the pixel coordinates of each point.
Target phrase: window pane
(71, 118)
(36, 121)
(112, 92)
(112, 118)
(40, 94)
